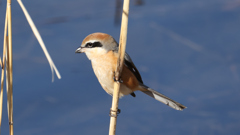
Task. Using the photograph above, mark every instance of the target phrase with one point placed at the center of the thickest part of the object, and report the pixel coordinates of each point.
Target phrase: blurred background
(188, 50)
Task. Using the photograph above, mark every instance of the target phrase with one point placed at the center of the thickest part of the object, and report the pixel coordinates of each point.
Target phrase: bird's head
(97, 44)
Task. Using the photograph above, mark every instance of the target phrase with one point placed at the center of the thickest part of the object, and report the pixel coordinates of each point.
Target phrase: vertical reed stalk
(121, 53)
(9, 69)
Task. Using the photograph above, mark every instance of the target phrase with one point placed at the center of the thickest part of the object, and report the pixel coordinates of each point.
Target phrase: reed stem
(121, 53)
(9, 69)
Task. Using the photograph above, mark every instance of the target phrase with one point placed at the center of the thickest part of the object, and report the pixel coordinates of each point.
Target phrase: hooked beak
(79, 50)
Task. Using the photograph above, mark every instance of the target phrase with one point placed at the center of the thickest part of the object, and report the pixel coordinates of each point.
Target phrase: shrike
(102, 50)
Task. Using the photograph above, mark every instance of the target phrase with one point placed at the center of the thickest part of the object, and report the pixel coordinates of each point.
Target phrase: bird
(102, 50)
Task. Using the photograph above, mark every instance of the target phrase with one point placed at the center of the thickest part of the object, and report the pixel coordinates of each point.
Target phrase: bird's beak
(79, 50)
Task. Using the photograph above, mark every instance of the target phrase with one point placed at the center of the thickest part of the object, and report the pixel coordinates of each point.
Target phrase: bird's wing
(158, 96)
(129, 63)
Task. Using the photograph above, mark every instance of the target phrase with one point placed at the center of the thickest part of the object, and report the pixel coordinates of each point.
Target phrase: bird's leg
(115, 80)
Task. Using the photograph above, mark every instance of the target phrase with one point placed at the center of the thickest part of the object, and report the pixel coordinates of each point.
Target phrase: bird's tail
(160, 97)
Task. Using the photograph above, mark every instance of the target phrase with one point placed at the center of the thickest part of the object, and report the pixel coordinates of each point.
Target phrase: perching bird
(102, 50)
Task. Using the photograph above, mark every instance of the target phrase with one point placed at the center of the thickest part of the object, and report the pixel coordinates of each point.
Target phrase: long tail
(160, 97)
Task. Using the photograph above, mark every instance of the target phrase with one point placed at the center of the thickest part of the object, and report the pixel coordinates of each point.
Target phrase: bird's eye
(89, 45)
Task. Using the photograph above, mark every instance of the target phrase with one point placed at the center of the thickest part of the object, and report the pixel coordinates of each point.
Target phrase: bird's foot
(114, 115)
(117, 80)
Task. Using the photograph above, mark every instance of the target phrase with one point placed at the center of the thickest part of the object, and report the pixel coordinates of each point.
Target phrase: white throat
(94, 53)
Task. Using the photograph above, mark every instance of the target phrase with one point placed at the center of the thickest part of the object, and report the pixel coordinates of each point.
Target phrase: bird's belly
(105, 78)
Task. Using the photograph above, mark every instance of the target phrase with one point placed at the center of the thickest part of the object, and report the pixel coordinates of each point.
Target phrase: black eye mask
(92, 45)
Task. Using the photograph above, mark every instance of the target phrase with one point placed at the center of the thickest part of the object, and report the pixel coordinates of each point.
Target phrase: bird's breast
(103, 68)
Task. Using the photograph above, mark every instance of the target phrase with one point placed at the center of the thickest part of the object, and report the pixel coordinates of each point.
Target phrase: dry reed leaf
(3, 65)
(38, 36)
